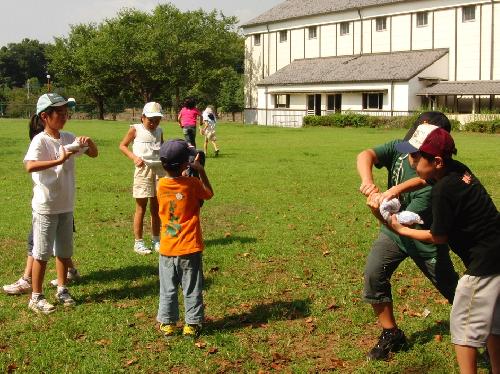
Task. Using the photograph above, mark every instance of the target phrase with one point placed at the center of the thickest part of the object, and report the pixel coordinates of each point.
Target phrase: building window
(283, 36)
(373, 100)
(422, 19)
(256, 39)
(282, 101)
(313, 32)
(468, 13)
(381, 24)
(334, 103)
(344, 28)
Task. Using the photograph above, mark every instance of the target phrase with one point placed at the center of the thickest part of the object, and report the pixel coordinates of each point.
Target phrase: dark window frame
(381, 24)
(313, 32)
(469, 13)
(422, 19)
(367, 100)
(343, 27)
(256, 39)
(283, 36)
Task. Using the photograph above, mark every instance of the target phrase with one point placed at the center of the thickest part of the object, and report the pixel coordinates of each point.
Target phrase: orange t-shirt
(179, 209)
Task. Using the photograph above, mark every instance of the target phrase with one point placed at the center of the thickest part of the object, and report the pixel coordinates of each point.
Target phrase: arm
(422, 235)
(203, 176)
(179, 119)
(127, 139)
(364, 163)
(35, 165)
(373, 202)
(86, 141)
(407, 186)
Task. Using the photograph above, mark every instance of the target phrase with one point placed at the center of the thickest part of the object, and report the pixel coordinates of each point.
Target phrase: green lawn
(286, 237)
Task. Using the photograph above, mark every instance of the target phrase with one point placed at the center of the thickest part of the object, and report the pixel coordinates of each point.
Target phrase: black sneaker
(389, 341)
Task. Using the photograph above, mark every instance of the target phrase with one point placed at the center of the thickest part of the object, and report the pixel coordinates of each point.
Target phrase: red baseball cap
(430, 139)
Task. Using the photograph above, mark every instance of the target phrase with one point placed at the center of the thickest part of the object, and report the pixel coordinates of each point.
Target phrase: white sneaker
(41, 305)
(156, 246)
(65, 298)
(19, 287)
(140, 248)
(72, 276)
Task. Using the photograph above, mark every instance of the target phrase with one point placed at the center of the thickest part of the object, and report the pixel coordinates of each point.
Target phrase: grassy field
(286, 234)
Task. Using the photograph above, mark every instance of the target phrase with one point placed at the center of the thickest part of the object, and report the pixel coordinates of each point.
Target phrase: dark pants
(384, 258)
(190, 135)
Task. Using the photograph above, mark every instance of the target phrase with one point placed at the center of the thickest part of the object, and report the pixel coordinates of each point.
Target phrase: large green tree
(22, 61)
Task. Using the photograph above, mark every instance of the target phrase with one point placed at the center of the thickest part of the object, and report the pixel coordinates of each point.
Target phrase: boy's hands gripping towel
(392, 206)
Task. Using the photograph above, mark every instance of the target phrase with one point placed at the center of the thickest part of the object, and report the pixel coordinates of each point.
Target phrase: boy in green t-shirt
(390, 249)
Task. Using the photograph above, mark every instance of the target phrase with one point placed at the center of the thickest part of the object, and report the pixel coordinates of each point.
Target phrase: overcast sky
(44, 19)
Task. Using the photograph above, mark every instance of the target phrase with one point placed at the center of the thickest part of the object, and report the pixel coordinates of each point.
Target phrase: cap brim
(150, 115)
(60, 103)
(406, 147)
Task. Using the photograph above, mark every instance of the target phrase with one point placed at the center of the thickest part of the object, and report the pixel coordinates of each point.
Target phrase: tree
(22, 61)
(231, 96)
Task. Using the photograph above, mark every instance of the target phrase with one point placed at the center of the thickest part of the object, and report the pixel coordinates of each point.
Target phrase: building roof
(290, 9)
(397, 66)
(463, 88)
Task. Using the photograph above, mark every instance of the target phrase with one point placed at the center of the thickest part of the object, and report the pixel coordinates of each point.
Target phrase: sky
(43, 20)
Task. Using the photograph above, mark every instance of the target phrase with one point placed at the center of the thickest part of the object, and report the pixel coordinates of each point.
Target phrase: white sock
(35, 295)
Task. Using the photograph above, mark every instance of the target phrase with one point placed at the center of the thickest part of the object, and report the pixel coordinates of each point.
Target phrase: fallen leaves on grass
(103, 342)
(215, 269)
(212, 351)
(333, 306)
(200, 344)
(227, 235)
(11, 368)
(131, 362)
(438, 338)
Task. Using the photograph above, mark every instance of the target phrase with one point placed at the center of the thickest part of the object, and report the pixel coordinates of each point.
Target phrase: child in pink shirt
(187, 120)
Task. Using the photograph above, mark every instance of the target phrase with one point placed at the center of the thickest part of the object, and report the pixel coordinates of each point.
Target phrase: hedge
(362, 120)
(491, 127)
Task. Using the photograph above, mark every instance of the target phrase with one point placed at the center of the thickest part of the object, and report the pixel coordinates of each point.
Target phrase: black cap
(175, 152)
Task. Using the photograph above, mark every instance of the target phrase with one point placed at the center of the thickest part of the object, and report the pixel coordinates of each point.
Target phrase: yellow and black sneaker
(191, 331)
(168, 329)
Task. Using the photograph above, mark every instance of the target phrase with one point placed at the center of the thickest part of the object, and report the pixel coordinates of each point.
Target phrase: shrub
(492, 127)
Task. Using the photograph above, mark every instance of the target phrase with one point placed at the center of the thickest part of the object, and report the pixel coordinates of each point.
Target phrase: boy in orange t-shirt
(181, 242)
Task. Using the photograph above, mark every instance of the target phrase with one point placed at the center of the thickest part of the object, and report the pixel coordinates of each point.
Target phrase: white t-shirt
(147, 143)
(54, 188)
(210, 122)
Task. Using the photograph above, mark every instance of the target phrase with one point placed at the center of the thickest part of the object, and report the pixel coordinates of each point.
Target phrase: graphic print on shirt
(173, 227)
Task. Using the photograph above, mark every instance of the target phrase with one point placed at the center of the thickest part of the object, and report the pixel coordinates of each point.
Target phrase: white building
(379, 57)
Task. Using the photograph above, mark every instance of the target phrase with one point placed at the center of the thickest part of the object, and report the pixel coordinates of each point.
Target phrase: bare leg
(494, 352)
(155, 218)
(205, 145)
(466, 357)
(62, 270)
(215, 145)
(385, 315)
(28, 268)
(38, 274)
(140, 211)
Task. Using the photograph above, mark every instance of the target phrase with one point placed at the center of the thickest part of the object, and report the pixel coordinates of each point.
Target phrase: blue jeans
(190, 134)
(188, 272)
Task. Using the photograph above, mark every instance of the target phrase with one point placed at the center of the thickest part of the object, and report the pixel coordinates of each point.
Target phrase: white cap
(152, 109)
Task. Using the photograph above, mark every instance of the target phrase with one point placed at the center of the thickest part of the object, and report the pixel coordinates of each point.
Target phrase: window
(283, 36)
(468, 13)
(381, 24)
(334, 103)
(282, 101)
(344, 28)
(313, 32)
(373, 100)
(422, 19)
(256, 39)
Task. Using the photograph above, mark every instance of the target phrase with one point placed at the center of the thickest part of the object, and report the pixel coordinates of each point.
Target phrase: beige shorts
(210, 135)
(476, 310)
(144, 182)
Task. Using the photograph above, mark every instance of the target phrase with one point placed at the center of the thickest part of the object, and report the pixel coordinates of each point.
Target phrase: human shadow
(122, 273)
(229, 240)
(260, 314)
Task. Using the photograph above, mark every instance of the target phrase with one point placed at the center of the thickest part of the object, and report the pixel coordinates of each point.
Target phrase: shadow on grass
(260, 314)
(130, 273)
(229, 240)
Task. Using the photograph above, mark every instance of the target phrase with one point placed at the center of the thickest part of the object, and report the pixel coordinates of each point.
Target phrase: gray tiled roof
(397, 66)
(463, 88)
(302, 8)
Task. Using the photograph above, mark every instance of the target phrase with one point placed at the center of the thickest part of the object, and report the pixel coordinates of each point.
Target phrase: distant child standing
(181, 247)
(53, 172)
(187, 119)
(147, 138)
(208, 129)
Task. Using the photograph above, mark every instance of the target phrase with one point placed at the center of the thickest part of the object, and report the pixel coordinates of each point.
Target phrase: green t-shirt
(399, 170)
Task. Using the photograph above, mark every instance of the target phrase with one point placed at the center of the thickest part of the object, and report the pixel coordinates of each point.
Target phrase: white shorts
(52, 235)
(210, 135)
(144, 183)
(476, 310)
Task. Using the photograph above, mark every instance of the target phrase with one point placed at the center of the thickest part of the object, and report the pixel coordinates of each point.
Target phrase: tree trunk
(234, 116)
(100, 108)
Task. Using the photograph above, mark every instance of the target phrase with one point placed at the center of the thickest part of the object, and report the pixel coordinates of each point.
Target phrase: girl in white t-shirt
(208, 129)
(53, 172)
(146, 138)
